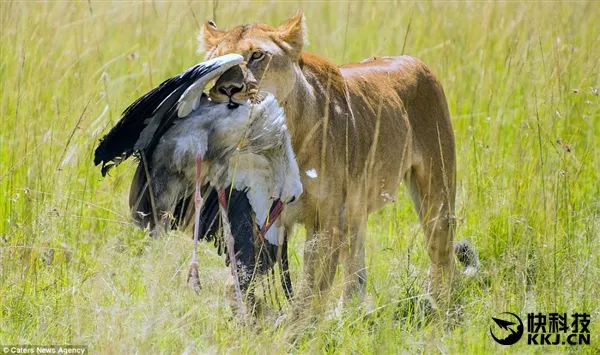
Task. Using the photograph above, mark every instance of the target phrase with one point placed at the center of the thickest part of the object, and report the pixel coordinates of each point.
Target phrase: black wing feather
(119, 143)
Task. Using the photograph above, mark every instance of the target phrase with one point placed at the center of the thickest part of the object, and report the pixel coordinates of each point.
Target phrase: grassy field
(522, 81)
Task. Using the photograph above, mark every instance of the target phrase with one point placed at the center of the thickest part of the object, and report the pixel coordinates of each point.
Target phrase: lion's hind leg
(434, 202)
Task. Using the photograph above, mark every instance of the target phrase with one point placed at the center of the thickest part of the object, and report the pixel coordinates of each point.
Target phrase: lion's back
(400, 74)
(399, 99)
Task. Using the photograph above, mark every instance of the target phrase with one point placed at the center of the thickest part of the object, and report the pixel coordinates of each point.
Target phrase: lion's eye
(257, 55)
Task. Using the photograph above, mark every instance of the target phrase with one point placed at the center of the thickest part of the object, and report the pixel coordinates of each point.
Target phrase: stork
(182, 139)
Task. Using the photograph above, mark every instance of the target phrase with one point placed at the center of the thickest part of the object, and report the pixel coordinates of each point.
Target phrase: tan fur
(364, 128)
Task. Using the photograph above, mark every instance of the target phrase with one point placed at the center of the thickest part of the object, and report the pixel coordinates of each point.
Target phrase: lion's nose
(231, 90)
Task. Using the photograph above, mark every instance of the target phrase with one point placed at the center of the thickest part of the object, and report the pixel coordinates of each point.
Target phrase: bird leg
(230, 242)
(198, 201)
(276, 209)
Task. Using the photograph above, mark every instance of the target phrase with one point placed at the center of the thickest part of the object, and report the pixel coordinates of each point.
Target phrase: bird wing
(144, 121)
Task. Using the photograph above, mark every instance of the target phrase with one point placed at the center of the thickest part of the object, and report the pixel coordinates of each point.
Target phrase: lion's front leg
(321, 254)
(353, 260)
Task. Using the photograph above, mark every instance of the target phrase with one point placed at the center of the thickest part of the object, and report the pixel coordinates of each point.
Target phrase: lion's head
(271, 56)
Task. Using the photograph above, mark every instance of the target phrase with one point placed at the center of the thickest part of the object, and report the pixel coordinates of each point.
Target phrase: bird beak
(276, 209)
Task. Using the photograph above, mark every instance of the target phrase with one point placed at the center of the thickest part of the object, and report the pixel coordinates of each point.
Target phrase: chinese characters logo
(542, 329)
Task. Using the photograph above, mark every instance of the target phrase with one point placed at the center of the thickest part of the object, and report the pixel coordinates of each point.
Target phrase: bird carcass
(239, 156)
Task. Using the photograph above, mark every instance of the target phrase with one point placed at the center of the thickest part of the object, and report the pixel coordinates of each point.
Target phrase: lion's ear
(209, 37)
(293, 32)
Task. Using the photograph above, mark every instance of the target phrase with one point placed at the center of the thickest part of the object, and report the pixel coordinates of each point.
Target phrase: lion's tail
(467, 255)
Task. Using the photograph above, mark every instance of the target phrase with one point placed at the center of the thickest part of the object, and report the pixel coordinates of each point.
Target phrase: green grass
(522, 83)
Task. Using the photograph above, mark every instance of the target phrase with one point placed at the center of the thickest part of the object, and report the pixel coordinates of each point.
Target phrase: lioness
(358, 131)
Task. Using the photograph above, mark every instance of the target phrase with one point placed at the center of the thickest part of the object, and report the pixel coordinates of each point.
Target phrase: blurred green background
(522, 82)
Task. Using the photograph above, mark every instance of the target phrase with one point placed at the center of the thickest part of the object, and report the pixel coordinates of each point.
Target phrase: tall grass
(522, 81)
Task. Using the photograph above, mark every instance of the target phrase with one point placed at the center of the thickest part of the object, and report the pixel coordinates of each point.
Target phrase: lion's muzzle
(236, 86)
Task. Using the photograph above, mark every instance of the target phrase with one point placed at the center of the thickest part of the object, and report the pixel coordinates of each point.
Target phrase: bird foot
(194, 278)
